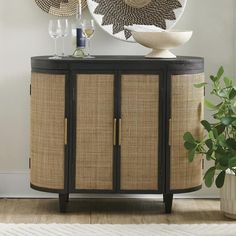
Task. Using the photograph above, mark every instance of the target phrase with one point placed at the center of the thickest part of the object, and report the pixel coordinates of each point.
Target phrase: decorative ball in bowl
(162, 42)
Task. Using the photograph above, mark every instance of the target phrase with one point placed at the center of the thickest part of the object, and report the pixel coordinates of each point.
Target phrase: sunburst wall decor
(60, 7)
(113, 15)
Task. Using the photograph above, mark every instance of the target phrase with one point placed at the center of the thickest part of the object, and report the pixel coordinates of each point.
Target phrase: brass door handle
(203, 164)
(65, 131)
(170, 132)
(114, 131)
(119, 132)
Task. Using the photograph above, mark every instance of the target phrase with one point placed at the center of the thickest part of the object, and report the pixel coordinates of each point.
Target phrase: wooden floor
(111, 211)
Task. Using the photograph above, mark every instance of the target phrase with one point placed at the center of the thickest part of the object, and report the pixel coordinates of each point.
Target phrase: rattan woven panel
(187, 112)
(47, 130)
(139, 132)
(94, 132)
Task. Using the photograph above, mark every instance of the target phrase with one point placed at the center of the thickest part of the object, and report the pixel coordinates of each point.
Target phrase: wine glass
(64, 25)
(54, 30)
(88, 30)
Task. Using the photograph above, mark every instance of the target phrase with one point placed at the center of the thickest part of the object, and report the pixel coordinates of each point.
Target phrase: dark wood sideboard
(115, 124)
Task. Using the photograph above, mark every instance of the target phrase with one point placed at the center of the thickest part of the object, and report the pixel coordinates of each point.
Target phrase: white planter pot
(228, 196)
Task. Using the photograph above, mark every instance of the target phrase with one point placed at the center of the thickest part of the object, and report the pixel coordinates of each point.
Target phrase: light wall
(23, 33)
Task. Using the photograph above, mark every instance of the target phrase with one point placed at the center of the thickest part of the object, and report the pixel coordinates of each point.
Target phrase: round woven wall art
(113, 15)
(60, 7)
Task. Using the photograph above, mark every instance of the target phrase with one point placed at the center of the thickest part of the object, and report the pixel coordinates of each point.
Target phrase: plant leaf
(188, 137)
(220, 179)
(206, 125)
(209, 176)
(222, 93)
(219, 105)
(191, 154)
(220, 167)
(232, 162)
(200, 85)
(227, 120)
(231, 143)
(209, 143)
(214, 130)
(221, 140)
(220, 150)
(234, 123)
(189, 146)
(220, 111)
(210, 105)
(233, 106)
(220, 72)
(220, 128)
(211, 135)
(232, 94)
(228, 82)
(209, 155)
(213, 78)
(223, 160)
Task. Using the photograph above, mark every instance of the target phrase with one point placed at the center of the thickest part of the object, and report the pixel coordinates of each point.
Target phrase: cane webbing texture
(139, 132)
(47, 130)
(94, 131)
(186, 114)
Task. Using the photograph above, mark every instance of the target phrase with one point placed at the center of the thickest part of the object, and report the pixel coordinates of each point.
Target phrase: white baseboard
(16, 184)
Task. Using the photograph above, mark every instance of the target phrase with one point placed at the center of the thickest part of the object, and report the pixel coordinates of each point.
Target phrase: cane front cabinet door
(94, 131)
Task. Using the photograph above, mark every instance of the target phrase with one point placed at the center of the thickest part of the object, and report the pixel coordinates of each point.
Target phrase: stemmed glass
(64, 25)
(88, 30)
(54, 30)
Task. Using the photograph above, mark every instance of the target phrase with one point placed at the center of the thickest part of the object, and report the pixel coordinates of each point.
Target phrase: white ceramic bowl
(162, 42)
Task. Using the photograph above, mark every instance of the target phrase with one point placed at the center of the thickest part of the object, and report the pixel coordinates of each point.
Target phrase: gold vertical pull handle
(203, 164)
(114, 132)
(170, 132)
(119, 132)
(65, 131)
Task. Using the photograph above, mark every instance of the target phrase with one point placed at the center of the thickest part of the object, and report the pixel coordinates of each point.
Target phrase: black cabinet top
(117, 62)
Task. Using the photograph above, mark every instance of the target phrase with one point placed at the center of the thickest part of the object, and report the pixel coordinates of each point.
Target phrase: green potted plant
(219, 142)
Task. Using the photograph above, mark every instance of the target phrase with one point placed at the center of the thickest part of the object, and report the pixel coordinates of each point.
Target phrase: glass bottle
(77, 33)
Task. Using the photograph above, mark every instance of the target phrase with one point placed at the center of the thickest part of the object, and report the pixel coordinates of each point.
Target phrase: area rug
(117, 230)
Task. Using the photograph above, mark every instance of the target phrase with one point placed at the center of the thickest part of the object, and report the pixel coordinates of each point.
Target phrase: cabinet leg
(168, 199)
(63, 198)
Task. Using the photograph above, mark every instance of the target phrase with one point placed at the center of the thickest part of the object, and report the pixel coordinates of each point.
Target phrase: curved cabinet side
(47, 130)
(186, 114)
